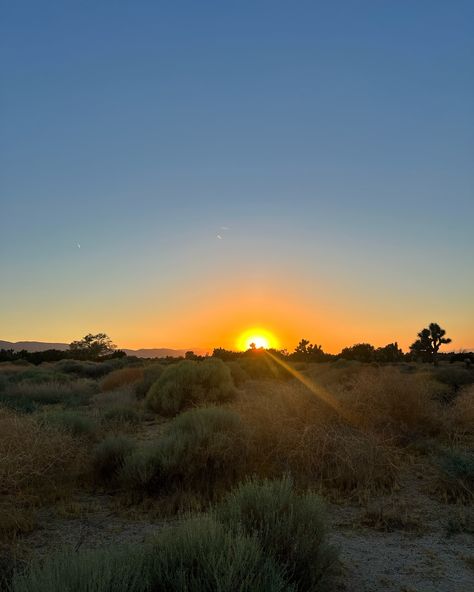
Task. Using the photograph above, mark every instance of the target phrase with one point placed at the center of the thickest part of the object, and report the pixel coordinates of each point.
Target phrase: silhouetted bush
(189, 383)
(290, 527)
(361, 352)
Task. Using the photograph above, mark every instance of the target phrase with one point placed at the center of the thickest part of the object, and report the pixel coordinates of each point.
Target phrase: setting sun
(260, 337)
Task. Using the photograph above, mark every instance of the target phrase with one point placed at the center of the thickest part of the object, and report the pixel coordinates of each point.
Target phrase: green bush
(190, 383)
(202, 555)
(104, 570)
(77, 424)
(198, 555)
(151, 374)
(109, 456)
(290, 527)
(202, 447)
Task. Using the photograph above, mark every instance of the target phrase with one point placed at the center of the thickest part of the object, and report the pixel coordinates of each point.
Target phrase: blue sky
(334, 140)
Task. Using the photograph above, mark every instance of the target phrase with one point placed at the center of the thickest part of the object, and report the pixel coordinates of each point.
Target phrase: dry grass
(37, 463)
(386, 401)
(291, 431)
(120, 378)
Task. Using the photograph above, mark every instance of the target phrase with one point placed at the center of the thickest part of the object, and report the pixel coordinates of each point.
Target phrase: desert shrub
(388, 401)
(3, 383)
(39, 375)
(151, 373)
(203, 447)
(35, 460)
(290, 429)
(71, 421)
(461, 413)
(27, 394)
(239, 376)
(457, 475)
(83, 369)
(290, 527)
(104, 570)
(109, 456)
(454, 376)
(142, 469)
(123, 397)
(190, 383)
(120, 378)
(262, 367)
(202, 554)
(15, 403)
(121, 414)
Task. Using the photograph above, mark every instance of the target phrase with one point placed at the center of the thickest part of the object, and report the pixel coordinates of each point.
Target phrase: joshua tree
(429, 341)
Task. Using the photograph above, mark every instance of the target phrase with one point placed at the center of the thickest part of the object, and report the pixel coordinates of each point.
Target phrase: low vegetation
(252, 444)
(191, 383)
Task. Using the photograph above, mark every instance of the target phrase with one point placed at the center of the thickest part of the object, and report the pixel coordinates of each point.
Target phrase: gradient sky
(334, 141)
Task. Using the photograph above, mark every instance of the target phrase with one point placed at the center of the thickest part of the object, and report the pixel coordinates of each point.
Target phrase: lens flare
(258, 336)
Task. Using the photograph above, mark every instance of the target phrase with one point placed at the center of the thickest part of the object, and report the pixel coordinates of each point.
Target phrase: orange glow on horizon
(260, 337)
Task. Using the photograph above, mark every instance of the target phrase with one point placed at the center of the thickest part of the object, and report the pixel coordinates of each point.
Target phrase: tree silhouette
(92, 346)
(429, 341)
(361, 352)
(308, 351)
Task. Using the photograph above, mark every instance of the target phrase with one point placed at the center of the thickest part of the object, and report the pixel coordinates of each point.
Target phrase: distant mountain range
(159, 352)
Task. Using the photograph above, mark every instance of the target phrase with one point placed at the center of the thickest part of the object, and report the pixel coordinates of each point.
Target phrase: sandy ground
(405, 548)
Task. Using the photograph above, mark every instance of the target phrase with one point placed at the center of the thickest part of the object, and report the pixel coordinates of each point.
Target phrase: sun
(260, 337)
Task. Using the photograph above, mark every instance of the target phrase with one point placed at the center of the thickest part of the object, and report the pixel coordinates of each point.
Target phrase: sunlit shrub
(35, 459)
(291, 429)
(290, 527)
(190, 383)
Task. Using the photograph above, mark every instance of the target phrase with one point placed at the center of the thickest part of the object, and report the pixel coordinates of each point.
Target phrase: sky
(176, 173)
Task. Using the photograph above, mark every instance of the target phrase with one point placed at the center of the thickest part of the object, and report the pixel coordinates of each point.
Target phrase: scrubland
(242, 475)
